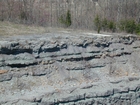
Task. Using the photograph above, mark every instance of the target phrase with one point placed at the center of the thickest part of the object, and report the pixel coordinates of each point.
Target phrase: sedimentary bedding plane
(67, 69)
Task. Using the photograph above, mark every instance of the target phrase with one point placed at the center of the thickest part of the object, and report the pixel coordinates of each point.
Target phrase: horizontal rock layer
(55, 69)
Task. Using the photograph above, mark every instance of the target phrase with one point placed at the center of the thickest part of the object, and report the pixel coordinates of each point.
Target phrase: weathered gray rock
(20, 102)
(55, 69)
(5, 77)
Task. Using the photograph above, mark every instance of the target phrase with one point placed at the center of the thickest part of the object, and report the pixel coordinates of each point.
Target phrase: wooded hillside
(80, 14)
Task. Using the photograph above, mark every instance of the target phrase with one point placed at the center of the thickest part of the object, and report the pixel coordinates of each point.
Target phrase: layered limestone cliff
(68, 69)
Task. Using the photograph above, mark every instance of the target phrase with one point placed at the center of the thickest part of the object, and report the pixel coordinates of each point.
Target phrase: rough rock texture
(68, 69)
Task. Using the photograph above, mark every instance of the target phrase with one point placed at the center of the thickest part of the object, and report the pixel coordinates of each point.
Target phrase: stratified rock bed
(69, 69)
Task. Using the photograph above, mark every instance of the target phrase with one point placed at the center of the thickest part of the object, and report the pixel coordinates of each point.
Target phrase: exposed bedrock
(70, 70)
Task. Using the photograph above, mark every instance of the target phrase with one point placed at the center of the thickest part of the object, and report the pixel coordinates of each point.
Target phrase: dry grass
(9, 28)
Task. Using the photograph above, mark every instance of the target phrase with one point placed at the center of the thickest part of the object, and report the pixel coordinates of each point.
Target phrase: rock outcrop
(55, 69)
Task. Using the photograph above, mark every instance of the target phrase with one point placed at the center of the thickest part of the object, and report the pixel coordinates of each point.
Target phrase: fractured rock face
(77, 70)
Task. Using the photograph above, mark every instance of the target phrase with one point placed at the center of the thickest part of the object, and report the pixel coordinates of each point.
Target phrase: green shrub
(62, 19)
(23, 15)
(66, 19)
(97, 22)
(130, 26)
(127, 25)
(137, 29)
(122, 25)
(111, 26)
(104, 24)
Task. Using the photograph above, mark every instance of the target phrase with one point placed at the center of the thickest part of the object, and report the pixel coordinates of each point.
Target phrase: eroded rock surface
(67, 69)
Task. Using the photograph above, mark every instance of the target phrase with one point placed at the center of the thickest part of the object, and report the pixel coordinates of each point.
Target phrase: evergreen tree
(97, 23)
(68, 19)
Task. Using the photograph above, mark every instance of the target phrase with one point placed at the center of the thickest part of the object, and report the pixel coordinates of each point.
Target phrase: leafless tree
(2, 10)
(83, 12)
